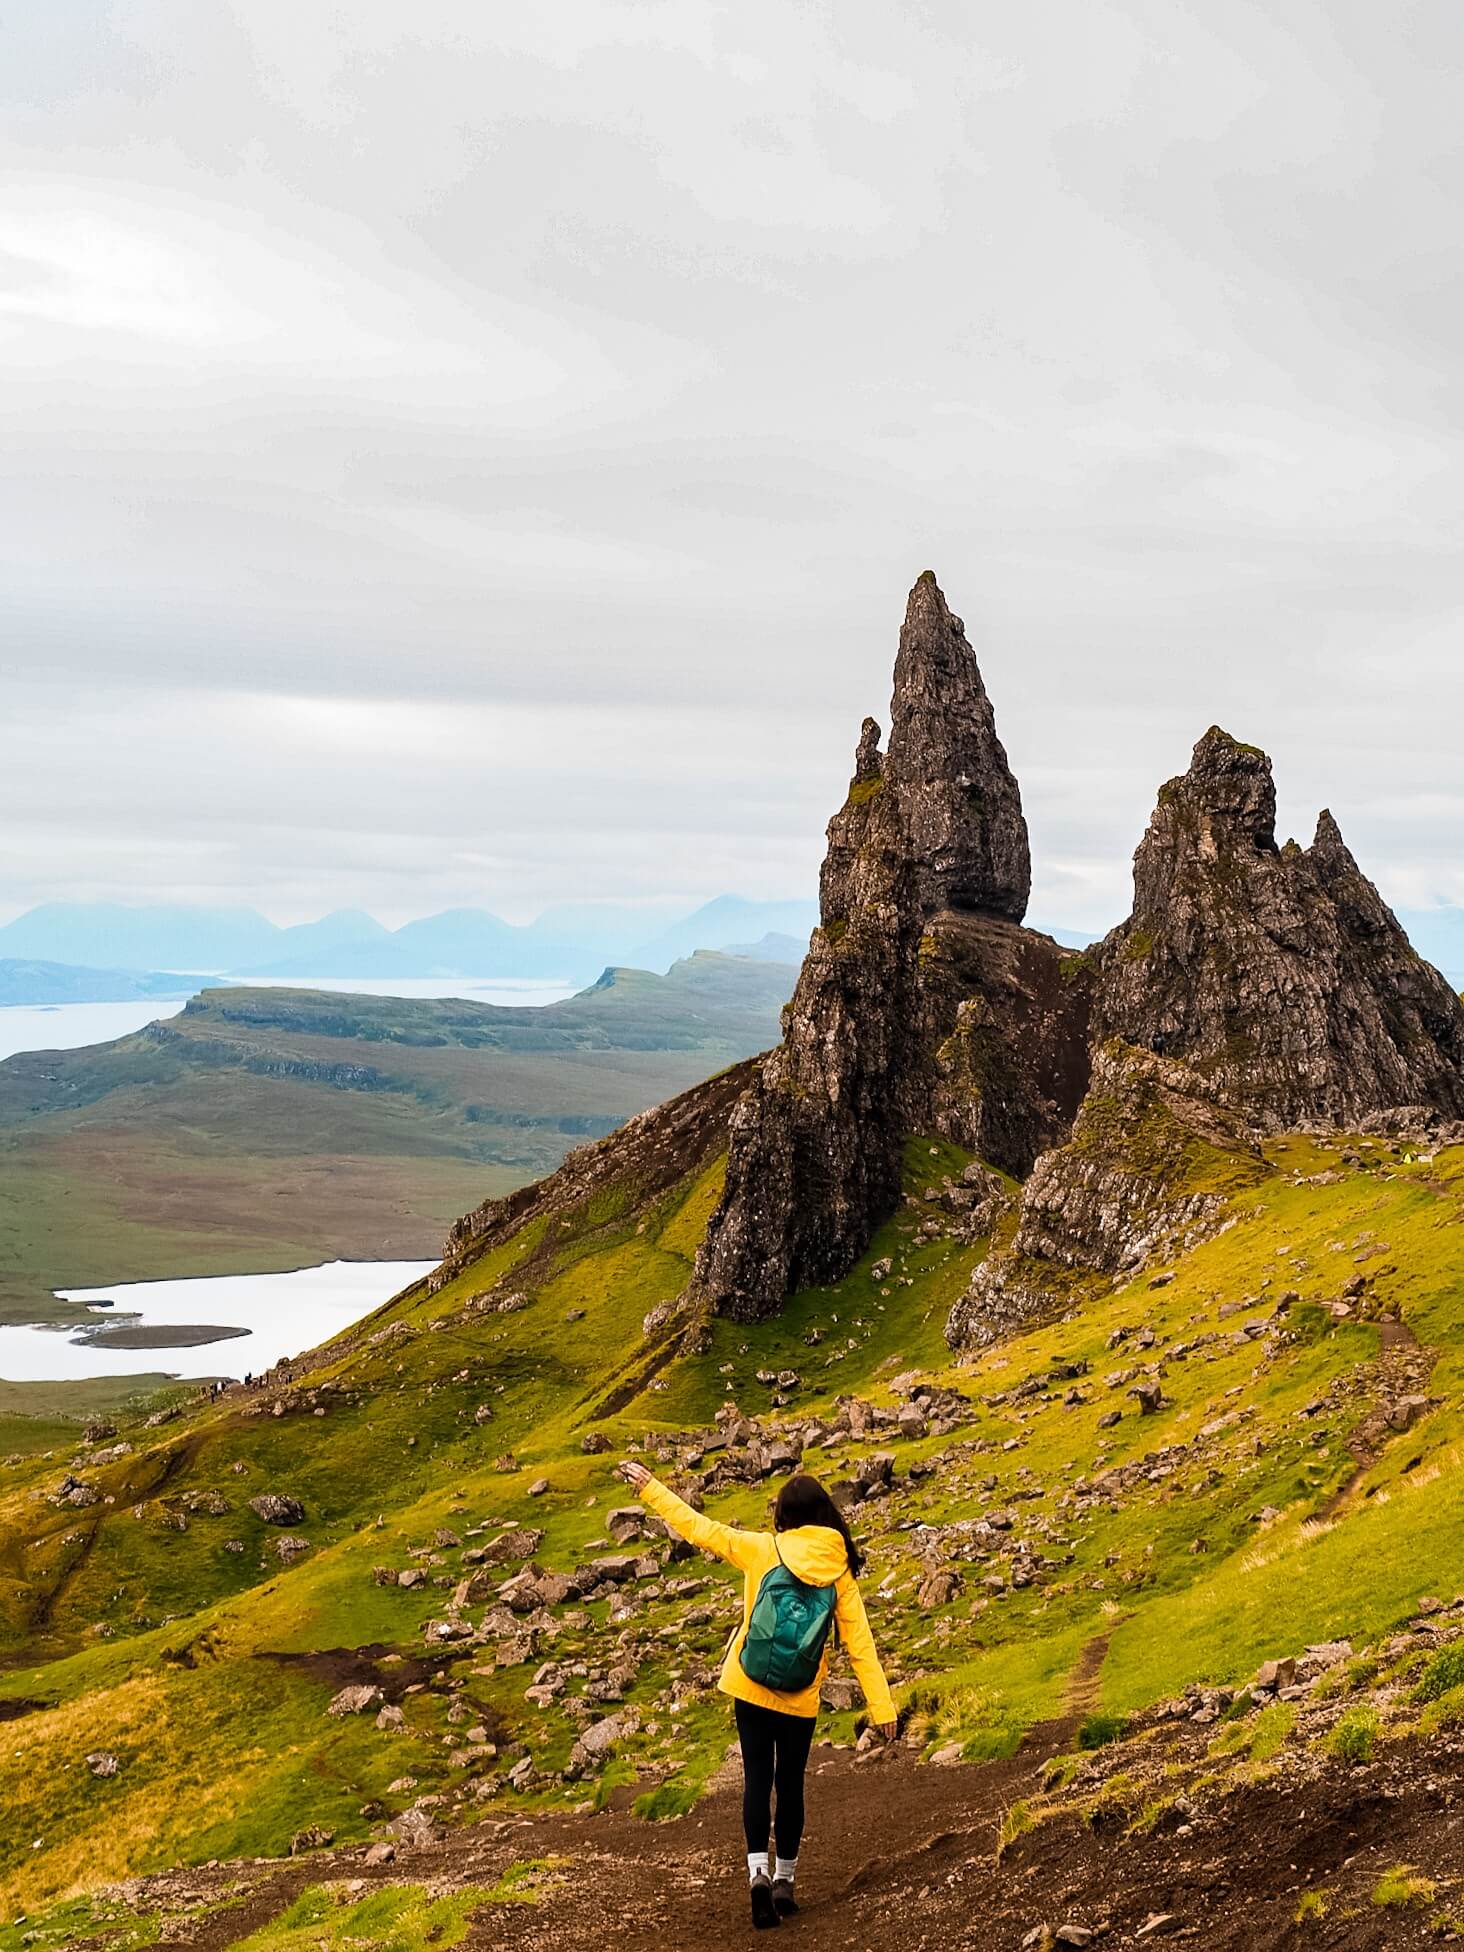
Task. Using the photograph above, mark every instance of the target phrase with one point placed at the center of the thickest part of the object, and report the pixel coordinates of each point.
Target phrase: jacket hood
(815, 1553)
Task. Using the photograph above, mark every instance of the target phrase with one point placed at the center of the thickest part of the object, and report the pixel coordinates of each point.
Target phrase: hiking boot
(764, 1911)
(783, 1897)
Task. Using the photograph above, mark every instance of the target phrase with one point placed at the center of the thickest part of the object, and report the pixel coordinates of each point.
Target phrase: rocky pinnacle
(965, 837)
(1278, 973)
(927, 873)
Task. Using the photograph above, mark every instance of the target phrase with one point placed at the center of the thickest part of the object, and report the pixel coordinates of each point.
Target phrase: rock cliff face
(923, 1004)
(1254, 989)
(1151, 1161)
(1279, 974)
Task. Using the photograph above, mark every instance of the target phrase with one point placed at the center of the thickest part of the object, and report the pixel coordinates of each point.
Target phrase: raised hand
(633, 1473)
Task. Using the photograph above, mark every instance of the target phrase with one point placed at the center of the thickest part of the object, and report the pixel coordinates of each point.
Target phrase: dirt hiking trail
(902, 1857)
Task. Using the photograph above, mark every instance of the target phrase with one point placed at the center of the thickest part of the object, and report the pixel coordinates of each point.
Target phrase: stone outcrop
(1278, 973)
(1151, 1163)
(1255, 989)
(923, 1005)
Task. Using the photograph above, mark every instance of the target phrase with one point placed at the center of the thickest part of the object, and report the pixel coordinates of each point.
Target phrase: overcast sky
(460, 453)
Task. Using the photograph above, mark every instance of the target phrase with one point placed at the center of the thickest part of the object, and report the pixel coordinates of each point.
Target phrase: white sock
(757, 1864)
(786, 1868)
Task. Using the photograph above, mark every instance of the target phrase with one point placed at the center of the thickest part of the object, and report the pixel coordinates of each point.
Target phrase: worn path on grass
(902, 1857)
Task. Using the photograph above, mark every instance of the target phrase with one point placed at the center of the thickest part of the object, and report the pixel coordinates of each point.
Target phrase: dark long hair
(803, 1501)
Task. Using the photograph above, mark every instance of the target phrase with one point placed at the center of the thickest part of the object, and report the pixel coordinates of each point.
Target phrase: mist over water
(71, 1026)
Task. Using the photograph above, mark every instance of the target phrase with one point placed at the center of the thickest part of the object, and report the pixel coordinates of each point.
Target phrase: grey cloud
(631, 360)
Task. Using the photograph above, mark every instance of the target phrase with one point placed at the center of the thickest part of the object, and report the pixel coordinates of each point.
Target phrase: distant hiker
(799, 1583)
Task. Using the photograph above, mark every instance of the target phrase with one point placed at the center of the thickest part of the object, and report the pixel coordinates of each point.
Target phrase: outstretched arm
(854, 1632)
(737, 1548)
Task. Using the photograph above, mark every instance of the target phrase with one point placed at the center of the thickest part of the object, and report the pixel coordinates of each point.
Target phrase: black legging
(774, 1756)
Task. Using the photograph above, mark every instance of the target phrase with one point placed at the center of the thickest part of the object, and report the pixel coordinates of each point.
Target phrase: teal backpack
(786, 1634)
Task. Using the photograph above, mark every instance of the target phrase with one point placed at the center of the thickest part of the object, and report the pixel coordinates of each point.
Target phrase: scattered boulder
(490, 1301)
(512, 1547)
(938, 1588)
(276, 1508)
(356, 1700)
(1275, 1675)
(600, 1737)
(415, 1828)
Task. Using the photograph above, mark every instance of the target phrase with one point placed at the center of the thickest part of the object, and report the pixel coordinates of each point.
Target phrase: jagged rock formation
(963, 834)
(1254, 989)
(1280, 974)
(923, 1004)
(1152, 1160)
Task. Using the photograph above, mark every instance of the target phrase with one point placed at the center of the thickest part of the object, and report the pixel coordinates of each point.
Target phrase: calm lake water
(284, 1314)
(68, 1026)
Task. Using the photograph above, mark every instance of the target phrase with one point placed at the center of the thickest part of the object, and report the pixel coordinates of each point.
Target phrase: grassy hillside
(270, 1128)
(1023, 1539)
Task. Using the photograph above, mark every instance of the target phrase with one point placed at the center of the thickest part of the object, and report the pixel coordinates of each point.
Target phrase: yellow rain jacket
(816, 1554)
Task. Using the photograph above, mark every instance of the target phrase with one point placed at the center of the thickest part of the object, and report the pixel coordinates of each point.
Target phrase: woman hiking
(799, 1583)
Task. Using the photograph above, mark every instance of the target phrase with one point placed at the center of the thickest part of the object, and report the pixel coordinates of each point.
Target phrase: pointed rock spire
(921, 1006)
(961, 808)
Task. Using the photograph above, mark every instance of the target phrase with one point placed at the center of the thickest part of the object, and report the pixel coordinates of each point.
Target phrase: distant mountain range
(570, 942)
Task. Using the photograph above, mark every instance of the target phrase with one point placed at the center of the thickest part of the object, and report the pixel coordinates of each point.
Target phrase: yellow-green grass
(211, 1687)
(1402, 1885)
(395, 1918)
